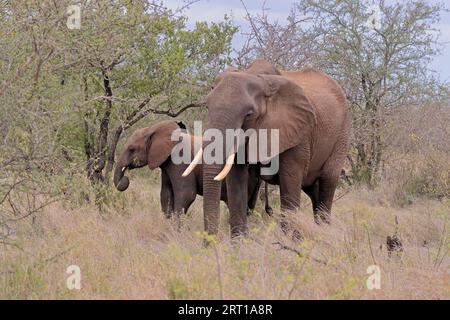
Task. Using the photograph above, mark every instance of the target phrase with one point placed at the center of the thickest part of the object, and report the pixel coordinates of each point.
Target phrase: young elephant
(152, 146)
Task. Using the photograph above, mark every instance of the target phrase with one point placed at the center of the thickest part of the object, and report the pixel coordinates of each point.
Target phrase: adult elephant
(308, 108)
(152, 147)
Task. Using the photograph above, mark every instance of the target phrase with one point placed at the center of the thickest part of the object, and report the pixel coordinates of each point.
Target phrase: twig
(366, 227)
(11, 244)
(341, 195)
(299, 272)
(11, 187)
(442, 242)
(255, 29)
(300, 254)
(168, 113)
(29, 213)
(219, 272)
(37, 263)
(56, 256)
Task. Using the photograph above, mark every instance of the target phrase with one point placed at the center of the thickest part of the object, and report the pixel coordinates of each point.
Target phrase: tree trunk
(112, 152)
(104, 128)
(369, 151)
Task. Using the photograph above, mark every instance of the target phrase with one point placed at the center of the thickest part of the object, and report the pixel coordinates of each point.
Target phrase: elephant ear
(159, 143)
(289, 110)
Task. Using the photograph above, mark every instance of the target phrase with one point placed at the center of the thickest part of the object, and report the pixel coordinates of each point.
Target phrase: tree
(141, 60)
(381, 64)
(68, 95)
(286, 44)
(30, 114)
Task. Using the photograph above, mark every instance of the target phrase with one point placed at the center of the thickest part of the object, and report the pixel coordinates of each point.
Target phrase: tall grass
(131, 251)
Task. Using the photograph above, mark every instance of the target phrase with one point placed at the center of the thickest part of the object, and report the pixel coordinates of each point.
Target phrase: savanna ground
(132, 252)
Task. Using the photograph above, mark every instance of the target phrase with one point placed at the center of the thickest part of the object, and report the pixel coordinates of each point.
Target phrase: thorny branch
(299, 253)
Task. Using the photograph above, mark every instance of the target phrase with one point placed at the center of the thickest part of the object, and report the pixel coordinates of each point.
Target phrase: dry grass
(417, 161)
(133, 252)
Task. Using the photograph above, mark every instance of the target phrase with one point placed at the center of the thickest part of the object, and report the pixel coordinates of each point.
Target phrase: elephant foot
(168, 215)
(322, 217)
(237, 240)
(297, 236)
(294, 234)
(291, 230)
(238, 234)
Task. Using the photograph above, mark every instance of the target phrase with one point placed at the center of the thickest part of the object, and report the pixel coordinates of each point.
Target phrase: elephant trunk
(121, 182)
(211, 198)
(212, 189)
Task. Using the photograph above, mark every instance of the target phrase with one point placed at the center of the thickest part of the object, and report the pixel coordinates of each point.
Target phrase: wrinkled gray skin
(309, 110)
(152, 146)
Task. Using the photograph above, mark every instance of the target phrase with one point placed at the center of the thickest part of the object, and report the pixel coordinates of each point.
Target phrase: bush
(418, 175)
(418, 145)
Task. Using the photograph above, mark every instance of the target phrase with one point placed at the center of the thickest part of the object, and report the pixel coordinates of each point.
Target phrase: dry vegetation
(62, 103)
(132, 251)
(129, 250)
(418, 162)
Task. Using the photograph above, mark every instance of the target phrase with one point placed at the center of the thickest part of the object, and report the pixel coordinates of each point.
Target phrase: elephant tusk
(193, 164)
(123, 169)
(226, 169)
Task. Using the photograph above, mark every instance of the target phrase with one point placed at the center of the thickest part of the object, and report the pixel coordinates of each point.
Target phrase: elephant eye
(132, 150)
(249, 113)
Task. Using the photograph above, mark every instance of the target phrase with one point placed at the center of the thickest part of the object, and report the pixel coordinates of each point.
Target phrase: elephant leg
(187, 202)
(253, 190)
(237, 189)
(290, 175)
(321, 199)
(267, 206)
(327, 187)
(290, 191)
(183, 203)
(184, 195)
(166, 195)
(292, 167)
(328, 182)
(184, 190)
(313, 193)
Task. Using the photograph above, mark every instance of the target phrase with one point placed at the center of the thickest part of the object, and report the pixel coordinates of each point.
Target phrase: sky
(214, 10)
